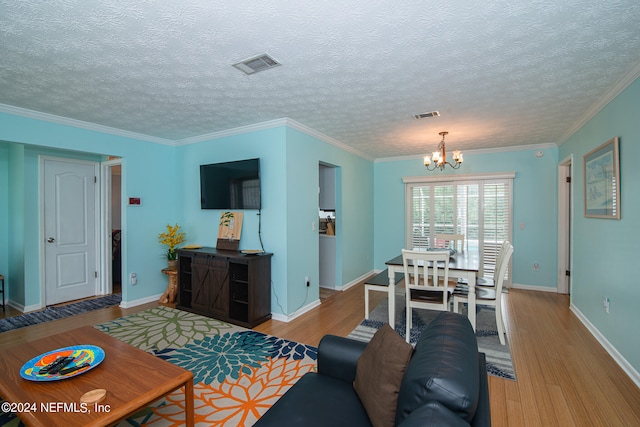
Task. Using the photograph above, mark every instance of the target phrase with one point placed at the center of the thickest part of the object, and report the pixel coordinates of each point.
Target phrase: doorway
(565, 212)
(112, 226)
(327, 226)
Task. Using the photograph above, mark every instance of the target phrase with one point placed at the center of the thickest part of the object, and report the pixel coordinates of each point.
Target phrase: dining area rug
(499, 362)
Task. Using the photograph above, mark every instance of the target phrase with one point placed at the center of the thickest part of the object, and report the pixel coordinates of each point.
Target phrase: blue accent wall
(148, 172)
(535, 206)
(289, 162)
(604, 250)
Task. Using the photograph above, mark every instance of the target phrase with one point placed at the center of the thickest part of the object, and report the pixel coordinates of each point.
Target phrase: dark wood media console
(225, 285)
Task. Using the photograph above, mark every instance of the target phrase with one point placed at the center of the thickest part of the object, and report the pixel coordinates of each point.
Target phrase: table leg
(472, 300)
(392, 297)
(188, 403)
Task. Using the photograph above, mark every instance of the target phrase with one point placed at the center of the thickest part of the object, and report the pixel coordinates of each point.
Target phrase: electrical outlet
(307, 281)
(606, 302)
(536, 266)
(133, 278)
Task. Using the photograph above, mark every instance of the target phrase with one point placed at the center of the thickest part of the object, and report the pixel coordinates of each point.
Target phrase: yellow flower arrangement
(172, 238)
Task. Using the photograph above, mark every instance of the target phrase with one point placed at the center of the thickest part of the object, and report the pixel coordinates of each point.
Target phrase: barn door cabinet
(226, 285)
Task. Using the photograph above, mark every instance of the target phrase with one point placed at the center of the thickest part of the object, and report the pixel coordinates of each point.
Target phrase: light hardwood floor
(564, 376)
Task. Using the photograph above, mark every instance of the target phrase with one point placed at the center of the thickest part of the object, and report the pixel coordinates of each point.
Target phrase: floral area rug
(238, 373)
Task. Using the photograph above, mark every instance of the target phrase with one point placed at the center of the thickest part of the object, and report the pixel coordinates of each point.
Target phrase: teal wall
(149, 169)
(604, 250)
(201, 225)
(289, 161)
(354, 222)
(535, 205)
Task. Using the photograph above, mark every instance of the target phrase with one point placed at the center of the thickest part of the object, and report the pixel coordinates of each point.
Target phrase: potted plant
(172, 238)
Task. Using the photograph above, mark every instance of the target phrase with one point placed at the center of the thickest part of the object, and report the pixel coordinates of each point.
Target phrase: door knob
(51, 240)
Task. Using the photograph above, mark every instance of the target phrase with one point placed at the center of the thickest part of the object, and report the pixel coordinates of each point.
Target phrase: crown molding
(282, 122)
(285, 121)
(329, 140)
(52, 118)
(477, 151)
(616, 90)
(270, 124)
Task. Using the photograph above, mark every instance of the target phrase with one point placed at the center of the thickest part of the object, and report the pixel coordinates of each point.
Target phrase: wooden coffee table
(133, 380)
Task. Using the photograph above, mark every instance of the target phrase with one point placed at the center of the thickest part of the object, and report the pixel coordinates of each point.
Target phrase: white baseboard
(297, 313)
(534, 288)
(137, 302)
(23, 308)
(615, 354)
(355, 281)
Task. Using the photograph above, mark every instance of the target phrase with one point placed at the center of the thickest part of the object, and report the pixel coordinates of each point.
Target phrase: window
(478, 206)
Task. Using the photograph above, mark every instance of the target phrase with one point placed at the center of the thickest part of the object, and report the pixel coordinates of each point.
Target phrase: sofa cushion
(317, 400)
(444, 368)
(379, 374)
(433, 414)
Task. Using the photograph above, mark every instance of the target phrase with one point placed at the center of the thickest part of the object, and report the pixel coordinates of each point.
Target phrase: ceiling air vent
(427, 115)
(256, 64)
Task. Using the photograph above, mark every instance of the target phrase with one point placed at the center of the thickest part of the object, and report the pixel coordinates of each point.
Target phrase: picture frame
(602, 181)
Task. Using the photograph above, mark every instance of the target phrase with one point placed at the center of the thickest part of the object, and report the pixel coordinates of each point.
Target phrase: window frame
(455, 180)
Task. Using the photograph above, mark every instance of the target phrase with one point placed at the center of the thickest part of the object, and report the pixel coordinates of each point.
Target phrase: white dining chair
(426, 286)
(488, 281)
(488, 296)
(449, 241)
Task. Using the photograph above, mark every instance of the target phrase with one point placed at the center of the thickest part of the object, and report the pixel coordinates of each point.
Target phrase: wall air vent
(427, 115)
(256, 64)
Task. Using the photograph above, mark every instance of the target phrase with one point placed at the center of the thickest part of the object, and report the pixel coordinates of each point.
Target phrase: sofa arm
(482, 416)
(338, 357)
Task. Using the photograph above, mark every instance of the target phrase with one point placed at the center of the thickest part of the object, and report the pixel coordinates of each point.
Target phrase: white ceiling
(501, 73)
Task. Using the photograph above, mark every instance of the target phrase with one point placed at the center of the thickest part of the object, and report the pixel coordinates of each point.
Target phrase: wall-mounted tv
(230, 185)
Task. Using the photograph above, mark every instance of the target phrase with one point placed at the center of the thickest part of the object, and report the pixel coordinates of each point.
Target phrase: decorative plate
(191, 247)
(251, 251)
(90, 354)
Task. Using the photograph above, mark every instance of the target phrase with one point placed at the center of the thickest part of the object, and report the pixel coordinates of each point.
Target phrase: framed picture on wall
(602, 181)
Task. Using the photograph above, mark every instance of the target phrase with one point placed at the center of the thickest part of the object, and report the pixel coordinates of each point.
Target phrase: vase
(172, 264)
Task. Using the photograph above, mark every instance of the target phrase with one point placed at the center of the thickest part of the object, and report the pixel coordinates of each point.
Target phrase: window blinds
(478, 208)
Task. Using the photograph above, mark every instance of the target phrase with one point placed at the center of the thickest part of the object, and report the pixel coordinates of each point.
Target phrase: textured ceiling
(501, 73)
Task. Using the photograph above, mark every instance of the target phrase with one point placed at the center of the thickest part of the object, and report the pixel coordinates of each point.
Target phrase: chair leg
(408, 322)
(366, 303)
(500, 324)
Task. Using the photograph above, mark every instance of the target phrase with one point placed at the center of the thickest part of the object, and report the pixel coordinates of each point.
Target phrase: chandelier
(440, 157)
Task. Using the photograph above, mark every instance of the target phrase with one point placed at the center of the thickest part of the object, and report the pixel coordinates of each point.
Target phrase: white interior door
(70, 229)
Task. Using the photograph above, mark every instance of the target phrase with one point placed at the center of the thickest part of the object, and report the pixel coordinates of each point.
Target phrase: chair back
(419, 274)
(501, 266)
(500, 257)
(450, 241)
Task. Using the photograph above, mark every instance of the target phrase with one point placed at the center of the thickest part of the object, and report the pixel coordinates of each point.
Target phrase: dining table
(462, 265)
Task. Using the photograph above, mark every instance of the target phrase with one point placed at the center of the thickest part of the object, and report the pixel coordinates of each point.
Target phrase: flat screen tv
(230, 185)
